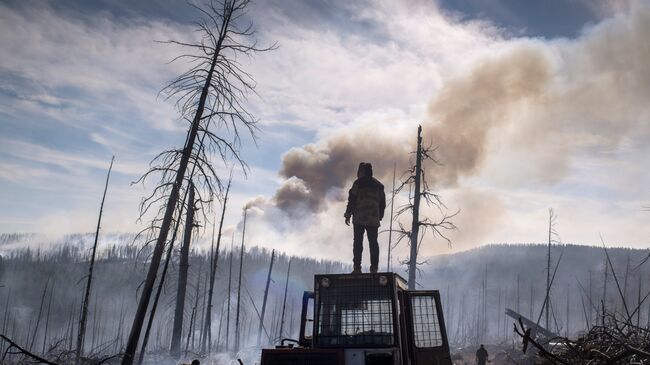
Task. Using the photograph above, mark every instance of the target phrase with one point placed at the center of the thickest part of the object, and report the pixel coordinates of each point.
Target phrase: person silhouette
(366, 206)
(481, 355)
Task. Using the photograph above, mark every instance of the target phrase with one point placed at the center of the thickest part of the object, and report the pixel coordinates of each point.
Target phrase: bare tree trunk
(120, 323)
(200, 325)
(190, 333)
(584, 310)
(568, 291)
(590, 301)
(232, 247)
(161, 282)
(175, 349)
(638, 307)
(415, 225)
(548, 268)
(532, 299)
(291, 315)
(284, 301)
(274, 322)
(214, 261)
(604, 301)
(40, 312)
(71, 324)
(518, 301)
(627, 273)
(241, 263)
(220, 327)
(47, 319)
(6, 317)
(266, 293)
(390, 228)
(86, 298)
(138, 320)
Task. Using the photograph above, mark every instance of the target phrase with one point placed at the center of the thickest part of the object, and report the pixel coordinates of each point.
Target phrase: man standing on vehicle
(366, 205)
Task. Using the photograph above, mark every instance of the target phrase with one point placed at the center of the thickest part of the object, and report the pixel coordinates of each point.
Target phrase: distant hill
(476, 286)
(481, 282)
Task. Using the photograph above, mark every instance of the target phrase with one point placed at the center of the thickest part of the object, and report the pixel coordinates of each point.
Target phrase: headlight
(325, 282)
(383, 281)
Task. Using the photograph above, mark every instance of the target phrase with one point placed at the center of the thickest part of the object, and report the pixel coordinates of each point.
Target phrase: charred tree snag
(241, 264)
(214, 261)
(390, 228)
(284, 301)
(175, 349)
(86, 298)
(213, 90)
(415, 215)
(419, 189)
(161, 282)
(266, 293)
(232, 248)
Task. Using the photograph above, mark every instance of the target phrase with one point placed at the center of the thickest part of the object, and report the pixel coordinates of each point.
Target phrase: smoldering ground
(516, 117)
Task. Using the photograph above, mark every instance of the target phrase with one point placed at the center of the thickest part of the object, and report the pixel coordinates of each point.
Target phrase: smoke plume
(459, 121)
(518, 117)
(541, 100)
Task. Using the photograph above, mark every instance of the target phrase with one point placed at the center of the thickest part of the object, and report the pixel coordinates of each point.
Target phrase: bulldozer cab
(367, 319)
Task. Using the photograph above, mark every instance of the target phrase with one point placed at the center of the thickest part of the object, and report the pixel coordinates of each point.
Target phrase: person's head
(481, 347)
(368, 168)
(361, 171)
(196, 362)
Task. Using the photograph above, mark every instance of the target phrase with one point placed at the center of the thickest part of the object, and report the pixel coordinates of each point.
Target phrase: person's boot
(373, 270)
(357, 269)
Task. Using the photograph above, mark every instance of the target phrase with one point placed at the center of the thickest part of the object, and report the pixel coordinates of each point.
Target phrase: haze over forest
(476, 287)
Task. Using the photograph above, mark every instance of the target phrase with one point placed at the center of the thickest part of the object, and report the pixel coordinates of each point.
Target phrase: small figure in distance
(482, 356)
(366, 205)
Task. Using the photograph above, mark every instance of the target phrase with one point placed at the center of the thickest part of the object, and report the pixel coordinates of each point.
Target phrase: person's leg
(357, 249)
(374, 247)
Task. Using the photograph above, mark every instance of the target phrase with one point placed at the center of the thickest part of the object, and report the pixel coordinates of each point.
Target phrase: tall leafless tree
(284, 301)
(183, 266)
(419, 189)
(241, 265)
(266, 293)
(552, 238)
(390, 228)
(84, 306)
(214, 260)
(228, 305)
(210, 97)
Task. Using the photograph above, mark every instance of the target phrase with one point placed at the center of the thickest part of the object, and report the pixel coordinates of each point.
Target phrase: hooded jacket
(366, 202)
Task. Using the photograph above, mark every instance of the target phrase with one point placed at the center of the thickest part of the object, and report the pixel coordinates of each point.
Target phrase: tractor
(366, 319)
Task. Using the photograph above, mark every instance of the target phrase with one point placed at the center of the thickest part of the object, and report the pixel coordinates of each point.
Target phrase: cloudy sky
(532, 105)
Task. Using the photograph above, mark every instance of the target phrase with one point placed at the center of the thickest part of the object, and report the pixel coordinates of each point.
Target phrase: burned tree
(210, 97)
(183, 266)
(241, 264)
(266, 293)
(552, 238)
(86, 298)
(214, 260)
(419, 188)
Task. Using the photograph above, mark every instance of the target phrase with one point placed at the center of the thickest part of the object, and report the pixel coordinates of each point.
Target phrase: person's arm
(382, 204)
(352, 202)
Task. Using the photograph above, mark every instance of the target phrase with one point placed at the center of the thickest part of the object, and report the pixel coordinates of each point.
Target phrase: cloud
(509, 116)
(529, 94)
(459, 121)
(520, 116)
(76, 63)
